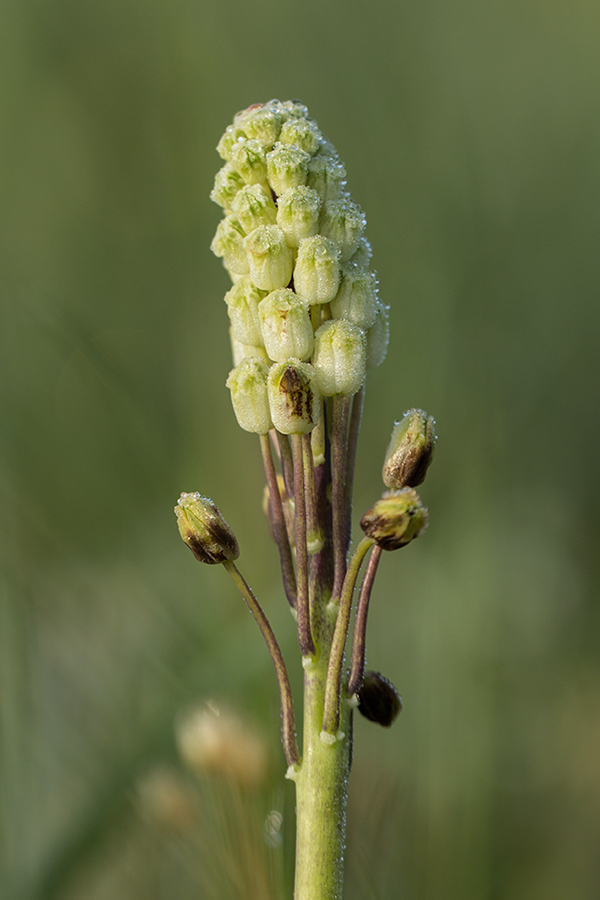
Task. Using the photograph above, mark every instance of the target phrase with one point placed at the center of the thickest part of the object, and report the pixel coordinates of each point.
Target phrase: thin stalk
(290, 748)
(303, 600)
(353, 433)
(338, 480)
(357, 666)
(331, 708)
(314, 535)
(278, 522)
(287, 465)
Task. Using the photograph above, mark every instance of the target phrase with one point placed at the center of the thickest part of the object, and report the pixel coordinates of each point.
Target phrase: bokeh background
(471, 136)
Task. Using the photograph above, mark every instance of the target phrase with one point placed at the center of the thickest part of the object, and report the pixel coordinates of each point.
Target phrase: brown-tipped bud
(204, 530)
(378, 699)
(410, 450)
(293, 397)
(396, 519)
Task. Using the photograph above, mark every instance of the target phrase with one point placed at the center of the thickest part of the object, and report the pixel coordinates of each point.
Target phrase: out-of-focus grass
(471, 135)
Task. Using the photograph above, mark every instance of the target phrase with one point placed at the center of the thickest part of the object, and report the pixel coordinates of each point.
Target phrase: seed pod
(410, 450)
(378, 699)
(204, 530)
(395, 519)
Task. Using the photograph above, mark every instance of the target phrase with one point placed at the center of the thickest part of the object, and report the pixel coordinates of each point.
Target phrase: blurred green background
(471, 136)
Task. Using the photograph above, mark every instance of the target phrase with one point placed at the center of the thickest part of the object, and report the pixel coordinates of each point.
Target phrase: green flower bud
(302, 133)
(410, 450)
(232, 135)
(378, 699)
(240, 351)
(339, 358)
(261, 124)
(378, 337)
(242, 306)
(270, 259)
(356, 299)
(298, 214)
(253, 205)
(343, 221)
(227, 184)
(293, 397)
(204, 530)
(317, 270)
(248, 159)
(285, 326)
(362, 255)
(293, 109)
(287, 167)
(327, 176)
(395, 519)
(248, 386)
(229, 244)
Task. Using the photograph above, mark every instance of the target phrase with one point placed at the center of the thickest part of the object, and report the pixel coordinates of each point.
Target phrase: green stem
(321, 796)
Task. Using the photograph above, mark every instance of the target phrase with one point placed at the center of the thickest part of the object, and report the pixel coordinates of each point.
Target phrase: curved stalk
(290, 748)
(278, 523)
(357, 667)
(331, 708)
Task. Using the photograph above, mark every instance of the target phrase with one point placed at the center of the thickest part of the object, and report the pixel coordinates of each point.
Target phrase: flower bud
(362, 255)
(410, 450)
(242, 307)
(298, 213)
(253, 205)
(302, 133)
(248, 159)
(356, 299)
(204, 530)
(378, 699)
(395, 519)
(339, 358)
(248, 386)
(285, 325)
(327, 176)
(227, 184)
(378, 337)
(270, 259)
(343, 221)
(233, 134)
(287, 167)
(261, 124)
(293, 397)
(229, 244)
(240, 351)
(317, 271)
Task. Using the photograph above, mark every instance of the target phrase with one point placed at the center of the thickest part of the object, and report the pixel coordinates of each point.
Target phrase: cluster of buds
(306, 318)
(306, 323)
